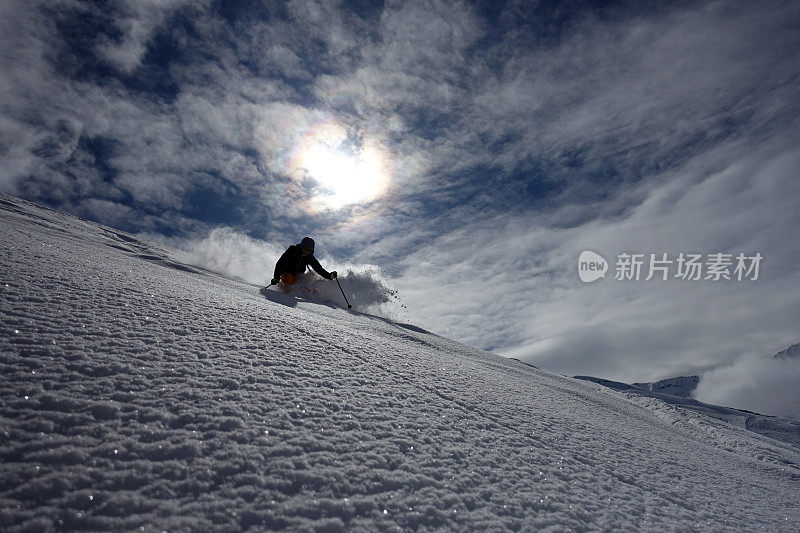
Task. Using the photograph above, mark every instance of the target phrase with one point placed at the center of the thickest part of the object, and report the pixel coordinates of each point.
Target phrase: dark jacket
(293, 262)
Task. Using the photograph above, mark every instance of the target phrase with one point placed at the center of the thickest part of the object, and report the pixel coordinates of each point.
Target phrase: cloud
(70, 139)
(510, 283)
(662, 133)
(763, 385)
(135, 22)
(619, 101)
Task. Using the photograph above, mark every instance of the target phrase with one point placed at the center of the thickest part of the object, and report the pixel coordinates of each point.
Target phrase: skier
(295, 260)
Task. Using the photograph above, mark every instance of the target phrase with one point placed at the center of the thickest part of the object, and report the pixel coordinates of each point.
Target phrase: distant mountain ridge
(778, 428)
(682, 386)
(792, 352)
(678, 391)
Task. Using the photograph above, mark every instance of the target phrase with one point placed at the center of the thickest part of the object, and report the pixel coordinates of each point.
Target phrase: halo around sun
(344, 172)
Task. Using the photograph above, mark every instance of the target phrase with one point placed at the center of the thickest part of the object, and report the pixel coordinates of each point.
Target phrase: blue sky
(512, 136)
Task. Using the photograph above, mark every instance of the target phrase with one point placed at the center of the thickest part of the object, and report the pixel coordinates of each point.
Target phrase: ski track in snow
(140, 392)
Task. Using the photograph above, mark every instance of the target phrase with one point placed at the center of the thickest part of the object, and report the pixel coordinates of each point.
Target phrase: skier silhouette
(295, 261)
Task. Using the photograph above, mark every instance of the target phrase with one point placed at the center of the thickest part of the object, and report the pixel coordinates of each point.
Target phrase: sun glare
(344, 175)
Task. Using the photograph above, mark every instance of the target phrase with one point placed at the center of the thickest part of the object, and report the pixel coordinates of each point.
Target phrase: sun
(343, 173)
(345, 179)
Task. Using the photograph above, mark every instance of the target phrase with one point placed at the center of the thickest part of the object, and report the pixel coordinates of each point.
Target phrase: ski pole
(340, 288)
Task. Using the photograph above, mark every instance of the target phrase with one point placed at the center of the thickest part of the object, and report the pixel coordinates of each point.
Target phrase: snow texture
(138, 391)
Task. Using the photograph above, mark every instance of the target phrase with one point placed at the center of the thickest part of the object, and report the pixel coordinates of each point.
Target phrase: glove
(274, 281)
(334, 275)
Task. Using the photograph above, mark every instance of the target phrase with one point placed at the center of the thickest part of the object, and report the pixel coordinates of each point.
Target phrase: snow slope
(141, 392)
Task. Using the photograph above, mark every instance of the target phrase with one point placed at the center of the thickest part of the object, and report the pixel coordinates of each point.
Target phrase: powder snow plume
(238, 256)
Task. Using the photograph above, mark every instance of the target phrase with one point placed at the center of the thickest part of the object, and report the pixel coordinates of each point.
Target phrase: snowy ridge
(678, 386)
(778, 428)
(792, 352)
(138, 391)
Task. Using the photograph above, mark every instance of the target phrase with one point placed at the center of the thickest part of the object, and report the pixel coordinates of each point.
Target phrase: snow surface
(138, 391)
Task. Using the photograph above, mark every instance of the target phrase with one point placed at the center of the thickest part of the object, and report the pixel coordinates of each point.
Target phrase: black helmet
(307, 242)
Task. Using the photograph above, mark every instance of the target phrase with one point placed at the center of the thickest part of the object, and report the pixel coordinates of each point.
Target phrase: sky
(468, 151)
